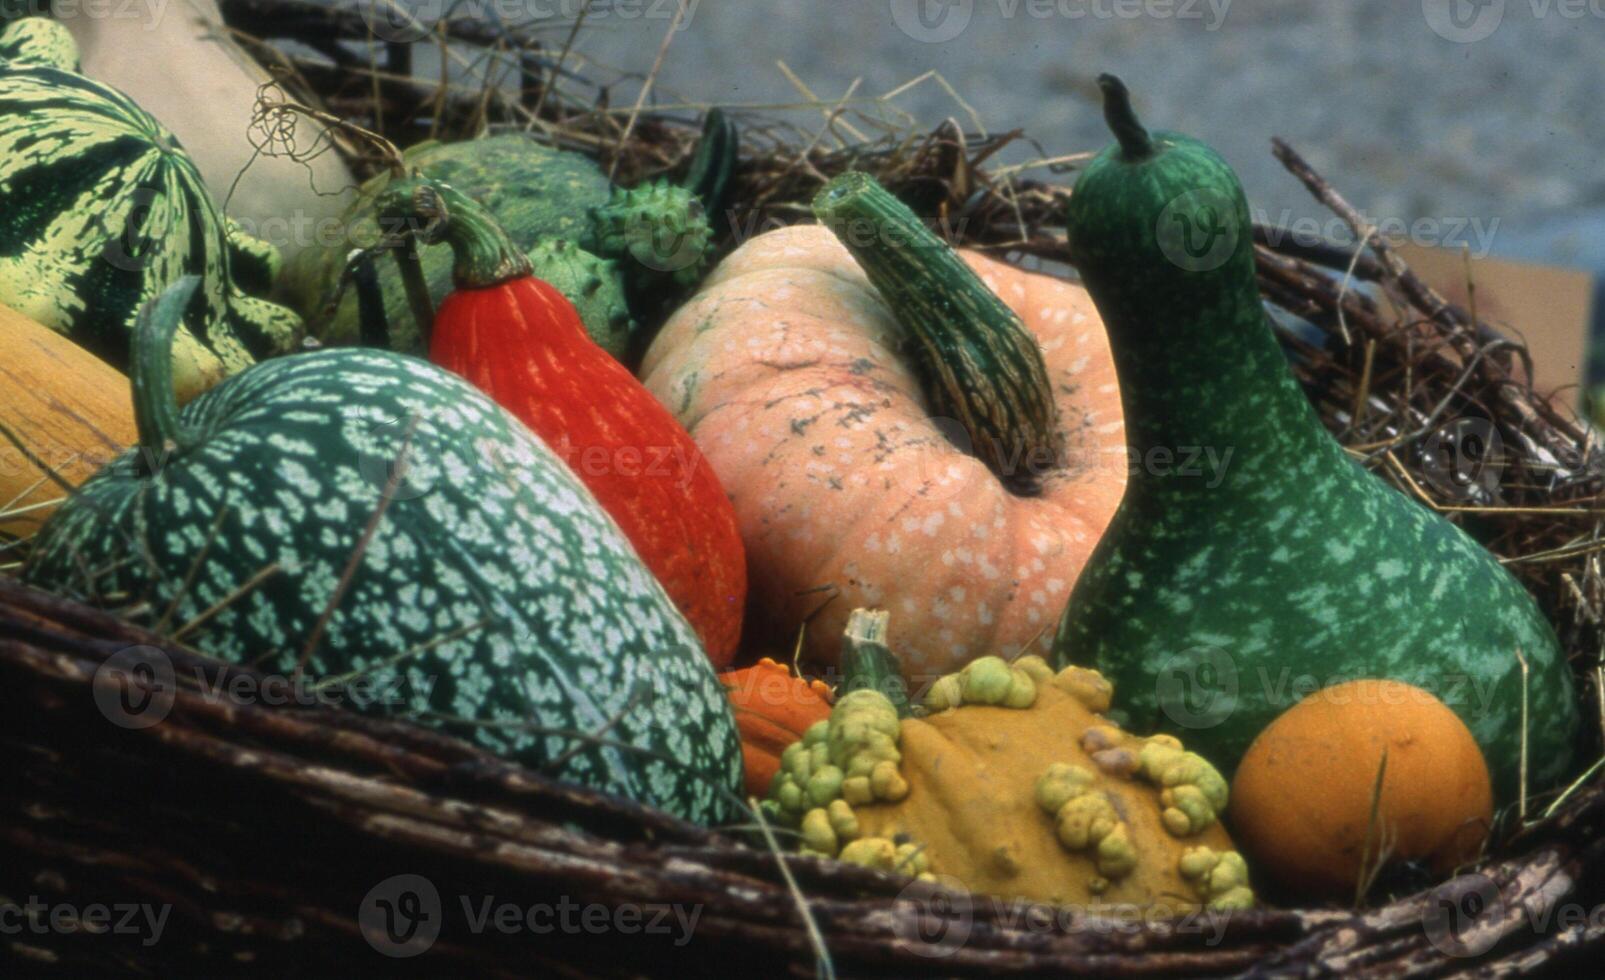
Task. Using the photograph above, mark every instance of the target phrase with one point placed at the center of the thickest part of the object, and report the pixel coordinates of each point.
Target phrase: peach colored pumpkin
(786, 370)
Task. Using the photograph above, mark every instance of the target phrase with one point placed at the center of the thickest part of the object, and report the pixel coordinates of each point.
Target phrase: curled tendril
(275, 124)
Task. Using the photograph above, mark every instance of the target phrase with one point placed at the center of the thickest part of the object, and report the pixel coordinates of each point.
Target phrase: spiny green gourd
(1008, 779)
(101, 209)
(593, 285)
(379, 519)
(651, 234)
(1217, 601)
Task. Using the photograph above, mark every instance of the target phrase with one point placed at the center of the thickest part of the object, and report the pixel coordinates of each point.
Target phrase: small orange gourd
(773, 707)
(1302, 799)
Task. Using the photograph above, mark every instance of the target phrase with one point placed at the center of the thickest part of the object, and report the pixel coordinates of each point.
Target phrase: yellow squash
(1014, 784)
(70, 411)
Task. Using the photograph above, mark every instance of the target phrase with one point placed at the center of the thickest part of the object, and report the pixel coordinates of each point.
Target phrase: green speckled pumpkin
(537, 195)
(494, 590)
(1217, 600)
(101, 209)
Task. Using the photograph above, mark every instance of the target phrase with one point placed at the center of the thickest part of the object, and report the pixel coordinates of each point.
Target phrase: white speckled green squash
(101, 209)
(494, 595)
(1217, 600)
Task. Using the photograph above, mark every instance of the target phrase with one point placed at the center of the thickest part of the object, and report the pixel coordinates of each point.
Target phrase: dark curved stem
(162, 432)
(977, 363)
(434, 212)
(416, 288)
(1135, 143)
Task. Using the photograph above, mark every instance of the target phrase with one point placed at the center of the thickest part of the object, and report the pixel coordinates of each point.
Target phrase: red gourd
(520, 341)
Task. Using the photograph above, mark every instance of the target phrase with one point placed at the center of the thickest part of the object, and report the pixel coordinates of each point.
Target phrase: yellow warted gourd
(1013, 783)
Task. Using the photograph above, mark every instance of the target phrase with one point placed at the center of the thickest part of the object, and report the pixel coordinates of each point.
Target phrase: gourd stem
(867, 663)
(977, 363)
(434, 212)
(374, 327)
(1135, 143)
(714, 163)
(416, 288)
(162, 432)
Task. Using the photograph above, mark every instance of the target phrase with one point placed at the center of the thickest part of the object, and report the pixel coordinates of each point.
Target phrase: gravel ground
(1481, 115)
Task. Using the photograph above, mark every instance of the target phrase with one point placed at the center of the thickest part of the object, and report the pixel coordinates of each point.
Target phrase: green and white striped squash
(495, 596)
(101, 209)
(39, 40)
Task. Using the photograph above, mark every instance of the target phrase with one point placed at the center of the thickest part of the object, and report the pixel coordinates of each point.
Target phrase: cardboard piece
(1548, 306)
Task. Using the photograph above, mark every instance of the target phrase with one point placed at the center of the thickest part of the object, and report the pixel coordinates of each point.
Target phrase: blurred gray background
(1486, 114)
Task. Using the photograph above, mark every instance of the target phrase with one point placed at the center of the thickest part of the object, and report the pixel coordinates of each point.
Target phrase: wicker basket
(311, 841)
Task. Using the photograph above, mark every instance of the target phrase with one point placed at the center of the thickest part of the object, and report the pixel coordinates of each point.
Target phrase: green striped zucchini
(101, 209)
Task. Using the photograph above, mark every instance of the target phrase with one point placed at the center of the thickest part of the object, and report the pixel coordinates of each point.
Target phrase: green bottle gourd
(1217, 599)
